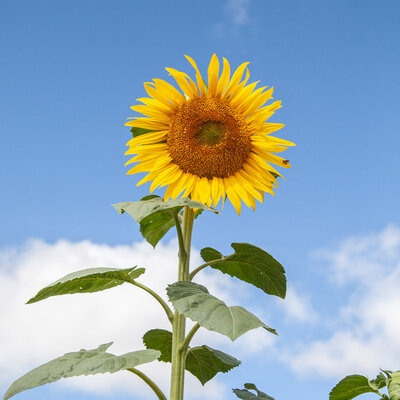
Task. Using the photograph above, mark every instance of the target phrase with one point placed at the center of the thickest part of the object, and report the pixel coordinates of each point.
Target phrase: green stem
(164, 305)
(189, 337)
(198, 269)
(179, 322)
(155, 388)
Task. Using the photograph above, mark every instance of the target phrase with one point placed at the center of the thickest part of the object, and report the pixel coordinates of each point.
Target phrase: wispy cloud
(238, 11)
(367, 333)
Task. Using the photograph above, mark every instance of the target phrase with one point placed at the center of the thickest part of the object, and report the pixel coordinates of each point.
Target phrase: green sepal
(202, 361)
(195, 302)
(83, 362)
(252, 265)
(88, 281)
(352, 386)
(155, 216)
(140, 131)
(247, 395)
(394, 386)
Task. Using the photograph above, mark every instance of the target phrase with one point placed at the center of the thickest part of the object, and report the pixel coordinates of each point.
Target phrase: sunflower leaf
(252, 265)
(209, 254)
(394, 386)
(157, 217)
(161, 340)
(350, 387)
(83, 362)
(203, 361)
(88, 281)
(247, 395)
(139, 131)
(195, 302)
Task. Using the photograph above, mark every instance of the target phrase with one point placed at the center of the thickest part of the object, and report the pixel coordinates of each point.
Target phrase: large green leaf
(203, 361)
(250, 264)
(350, 387)
(247, 395)
(88, 281)
(157, 217)
(195, 302)
(394, 386)
(83, 362)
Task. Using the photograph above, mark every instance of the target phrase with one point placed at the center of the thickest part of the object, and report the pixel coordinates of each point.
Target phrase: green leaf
(350, 387)
(195, 302)
(159, 339)
(209, 254)
(245, 394)
(156, 217)
(139, 131)
(139, 210)
(154, 227)
(88, 281)
(252, 265)
(203, 361)
(83, 362)
(379, 382)
(394, 386)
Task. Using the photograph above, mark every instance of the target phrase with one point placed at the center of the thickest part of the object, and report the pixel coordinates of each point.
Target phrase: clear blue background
(70, 71)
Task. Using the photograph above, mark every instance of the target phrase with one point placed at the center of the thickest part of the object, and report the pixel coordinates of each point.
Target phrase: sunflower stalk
(179, 321)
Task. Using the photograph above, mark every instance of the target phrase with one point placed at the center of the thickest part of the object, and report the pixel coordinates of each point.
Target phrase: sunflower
(208, 142)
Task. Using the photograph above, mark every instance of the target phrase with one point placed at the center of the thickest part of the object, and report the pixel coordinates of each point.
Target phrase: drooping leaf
(142, 209)
(195, 302)
(247, 395)
(83, 362)
(154, 227)
(394, 386)
(203, 361)
(156, 217)
(161, 340)
(88, 281)
(252, 265)
(350, 387)
(139, 131)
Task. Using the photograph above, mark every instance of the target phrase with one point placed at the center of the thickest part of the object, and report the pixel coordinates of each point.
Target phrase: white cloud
(238, 11)
(36, 333)
(33, 334)
(367, 335)
(297, 307)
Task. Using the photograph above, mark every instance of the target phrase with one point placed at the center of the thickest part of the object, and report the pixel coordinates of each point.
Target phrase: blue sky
(70, 71)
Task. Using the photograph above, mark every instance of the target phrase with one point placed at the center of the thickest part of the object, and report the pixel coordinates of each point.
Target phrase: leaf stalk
(151, 383)
(163, 304)
(198, 269)
(188, 338)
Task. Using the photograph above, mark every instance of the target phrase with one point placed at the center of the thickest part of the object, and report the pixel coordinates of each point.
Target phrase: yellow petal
(224, 79)
(185, 82)
(213, 72)
(199, 78)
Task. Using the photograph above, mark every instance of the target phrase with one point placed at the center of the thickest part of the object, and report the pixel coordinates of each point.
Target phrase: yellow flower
(209, 142)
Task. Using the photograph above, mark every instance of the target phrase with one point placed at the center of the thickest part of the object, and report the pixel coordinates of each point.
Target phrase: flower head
(210, 141)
